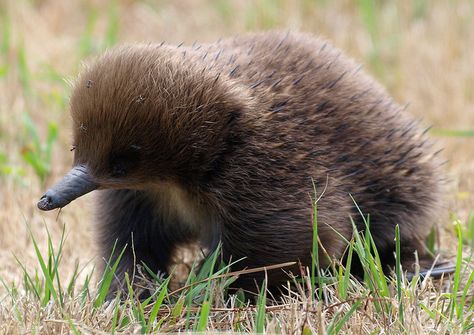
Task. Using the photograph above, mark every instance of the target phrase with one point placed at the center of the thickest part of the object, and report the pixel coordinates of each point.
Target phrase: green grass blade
(107, 278)
(430, 241)
(111, 35)
(52, 137)
(469, 234)
(157, 305)
(432, 314)
(28, 282)
(367, 9)
(466, 290)
(203, 317)
(345, 278)
(55, 259)
(23, 71)
(72, 283)
(315, 270)
(398, 273)
(452, 133)
(261, 309)
(73, 327)
(138, 309)
(49, 288)
(31, 130)
(86, 43)
(85, 290)
(455, 307)
(334, 328)
(5, 45)
(177, 310)
(116, 313)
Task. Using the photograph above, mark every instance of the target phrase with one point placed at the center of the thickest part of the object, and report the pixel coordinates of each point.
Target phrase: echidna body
(226, 142)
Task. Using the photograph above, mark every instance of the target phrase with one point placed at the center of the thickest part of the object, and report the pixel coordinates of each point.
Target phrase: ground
(421, 51)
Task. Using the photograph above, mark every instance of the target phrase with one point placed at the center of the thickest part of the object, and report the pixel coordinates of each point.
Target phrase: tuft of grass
(201, 305)
(208, 268)
(108, 276)
(49, 288)
(367, 252)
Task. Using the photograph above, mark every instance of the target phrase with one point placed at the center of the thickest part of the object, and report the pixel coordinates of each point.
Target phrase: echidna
(225, 142)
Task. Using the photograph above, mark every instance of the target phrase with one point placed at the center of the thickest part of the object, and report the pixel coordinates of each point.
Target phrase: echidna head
(142, 115)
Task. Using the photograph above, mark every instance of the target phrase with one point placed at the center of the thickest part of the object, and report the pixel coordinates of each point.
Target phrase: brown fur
(222, 142)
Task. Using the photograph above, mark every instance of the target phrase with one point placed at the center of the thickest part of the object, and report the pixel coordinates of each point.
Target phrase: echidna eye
(123, 161)
(73, 147)
(118, 169)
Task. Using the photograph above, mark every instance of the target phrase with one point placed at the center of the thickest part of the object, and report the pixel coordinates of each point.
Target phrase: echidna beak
(75, 183)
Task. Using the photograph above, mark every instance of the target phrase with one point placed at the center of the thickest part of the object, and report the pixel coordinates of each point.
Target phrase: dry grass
(421, 50)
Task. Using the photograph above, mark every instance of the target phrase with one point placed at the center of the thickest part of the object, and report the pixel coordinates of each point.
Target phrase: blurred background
(421, 50)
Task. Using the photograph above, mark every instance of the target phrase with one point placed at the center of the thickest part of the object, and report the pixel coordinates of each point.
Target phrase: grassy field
(421, 50)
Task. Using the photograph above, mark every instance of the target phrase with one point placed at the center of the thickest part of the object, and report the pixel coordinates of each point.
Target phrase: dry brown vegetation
(422, 51)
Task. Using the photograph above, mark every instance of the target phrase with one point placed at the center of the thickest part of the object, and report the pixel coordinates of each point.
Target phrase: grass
(38, 154)
(48, 283)
(5, 44)
(453, 133)
(382, 304)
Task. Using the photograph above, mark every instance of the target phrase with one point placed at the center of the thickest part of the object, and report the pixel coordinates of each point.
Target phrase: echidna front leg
(130, 222)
